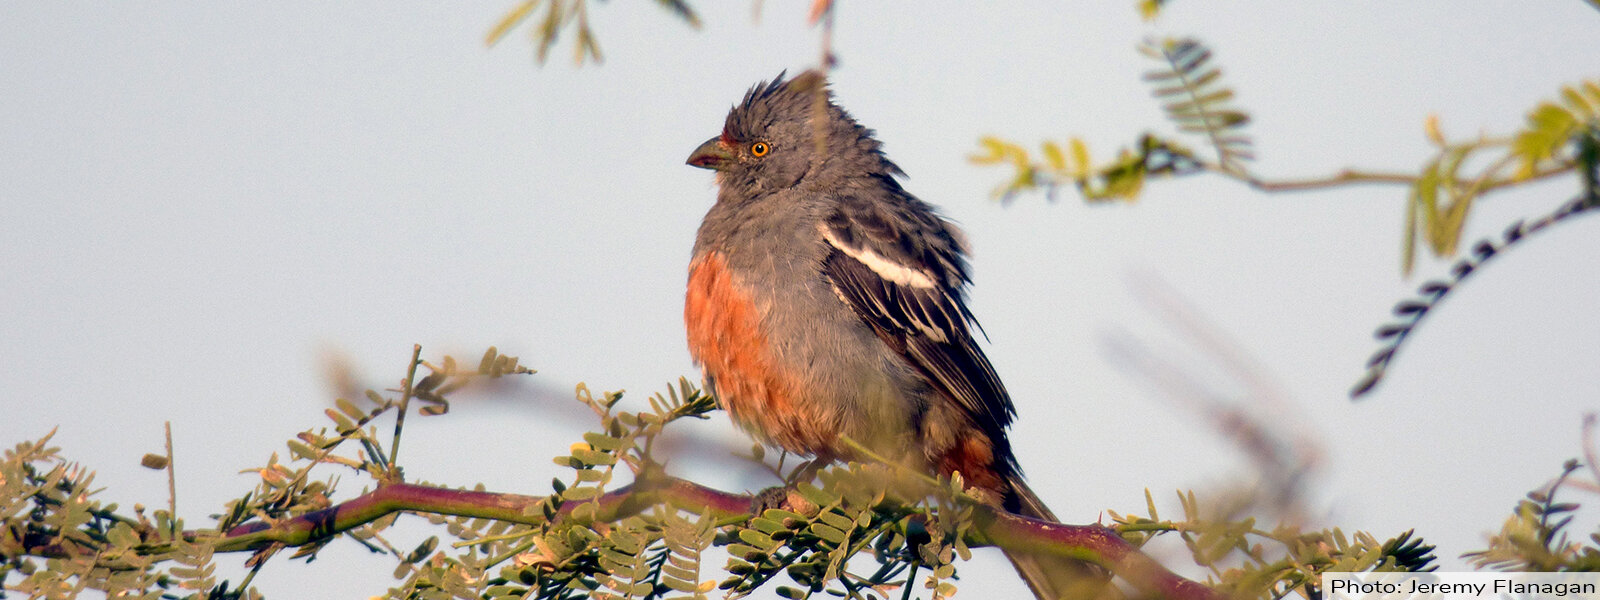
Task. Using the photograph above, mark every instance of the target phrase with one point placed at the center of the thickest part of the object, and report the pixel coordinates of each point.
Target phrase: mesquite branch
(1092, 543)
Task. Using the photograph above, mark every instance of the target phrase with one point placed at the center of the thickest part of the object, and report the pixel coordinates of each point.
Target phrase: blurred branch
(1261, 421)
(400, 415)
(562, 15)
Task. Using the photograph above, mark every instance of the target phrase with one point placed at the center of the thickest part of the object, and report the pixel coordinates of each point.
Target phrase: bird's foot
(773, 497)
(781, 497)
(787, 496)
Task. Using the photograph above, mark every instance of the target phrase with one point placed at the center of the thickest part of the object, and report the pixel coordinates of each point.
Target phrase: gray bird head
(786, 131)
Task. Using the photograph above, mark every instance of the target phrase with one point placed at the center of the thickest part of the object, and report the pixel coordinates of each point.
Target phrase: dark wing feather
(901, 268)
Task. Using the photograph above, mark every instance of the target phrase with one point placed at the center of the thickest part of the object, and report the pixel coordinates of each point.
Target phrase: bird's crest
(788, 105)
(766, 99)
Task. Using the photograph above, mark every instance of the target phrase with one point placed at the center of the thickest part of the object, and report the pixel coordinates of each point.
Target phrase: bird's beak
(714, 154)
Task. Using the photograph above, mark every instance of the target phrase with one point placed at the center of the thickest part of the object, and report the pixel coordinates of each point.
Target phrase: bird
(824, 302)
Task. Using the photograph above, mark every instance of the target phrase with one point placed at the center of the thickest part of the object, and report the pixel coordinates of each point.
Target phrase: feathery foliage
(1535, 537)
(1194, 98)
(47, 507)
(1190, 88)
(859, 531)
(1120, 179)
(1442, 195)
(1552, 125)
(1246, 561)
(574, 552)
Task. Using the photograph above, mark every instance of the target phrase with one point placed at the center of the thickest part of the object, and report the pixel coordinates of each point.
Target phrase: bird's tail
(1051, 577)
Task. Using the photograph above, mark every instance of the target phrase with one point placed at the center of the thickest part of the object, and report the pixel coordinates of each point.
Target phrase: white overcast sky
(201, 202)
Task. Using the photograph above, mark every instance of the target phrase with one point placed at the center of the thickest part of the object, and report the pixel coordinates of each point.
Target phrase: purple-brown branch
(513, 508)
(1093, 543)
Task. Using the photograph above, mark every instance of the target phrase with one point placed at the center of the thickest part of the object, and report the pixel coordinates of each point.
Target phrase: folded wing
(902, 269)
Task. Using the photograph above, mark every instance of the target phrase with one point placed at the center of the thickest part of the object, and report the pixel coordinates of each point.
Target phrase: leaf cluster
(1122, 178)
(576, 552)
(1246, 561)
(1444, 191)
(50, 511)
(1409, 313)
(1194, 97)
(871, 511)
(56, 539)
(1535, 536)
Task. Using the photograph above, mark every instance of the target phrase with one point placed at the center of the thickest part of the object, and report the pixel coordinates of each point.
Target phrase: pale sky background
(200, 203)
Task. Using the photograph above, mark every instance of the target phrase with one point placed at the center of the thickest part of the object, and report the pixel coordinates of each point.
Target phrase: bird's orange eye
(759, 149)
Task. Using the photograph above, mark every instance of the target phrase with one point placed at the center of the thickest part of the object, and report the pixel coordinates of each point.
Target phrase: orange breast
(726, 338)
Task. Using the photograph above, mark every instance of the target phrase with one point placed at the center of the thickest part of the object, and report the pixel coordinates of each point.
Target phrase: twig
(1588, 446)
(824, 9)
(172, 483)
(1345, 177)
(400, 418)
(1355, 177)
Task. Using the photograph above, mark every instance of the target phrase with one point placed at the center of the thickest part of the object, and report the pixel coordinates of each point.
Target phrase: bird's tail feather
(1051, 577)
